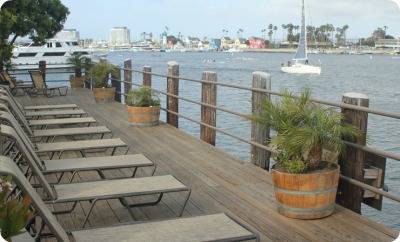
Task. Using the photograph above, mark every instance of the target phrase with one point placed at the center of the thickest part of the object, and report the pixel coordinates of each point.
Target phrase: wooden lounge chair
(75, 165)
(14, 86)
(94, 191)
(52, 134)
(12, 103)
(81, 145)
(40, 86)
(215, 227)
(5, 90)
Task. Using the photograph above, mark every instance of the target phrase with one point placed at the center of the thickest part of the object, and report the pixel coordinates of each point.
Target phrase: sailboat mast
(304, 28)
(301, 53)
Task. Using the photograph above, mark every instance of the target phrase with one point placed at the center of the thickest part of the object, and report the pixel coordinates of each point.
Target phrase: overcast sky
(208, 18)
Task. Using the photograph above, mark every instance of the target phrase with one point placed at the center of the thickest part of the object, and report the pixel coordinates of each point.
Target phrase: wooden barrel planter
(306, 196)
(104, 94)
(144, 116)
(77, 82)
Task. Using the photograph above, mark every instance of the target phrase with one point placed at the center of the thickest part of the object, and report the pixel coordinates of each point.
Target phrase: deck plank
(219, 182)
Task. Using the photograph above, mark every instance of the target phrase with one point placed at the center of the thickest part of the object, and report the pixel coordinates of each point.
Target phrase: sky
(208, 18)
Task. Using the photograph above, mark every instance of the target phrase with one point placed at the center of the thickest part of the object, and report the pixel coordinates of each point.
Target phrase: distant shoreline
(331, 51)
(293, 50)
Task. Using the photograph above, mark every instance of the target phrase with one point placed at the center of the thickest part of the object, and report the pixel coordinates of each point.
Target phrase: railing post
(351, 165)
(117, 85)
(208, 115)
(127, 76)
(173, 88)
(260, 133)
(147, 77)
(42, 69)
(88, 66)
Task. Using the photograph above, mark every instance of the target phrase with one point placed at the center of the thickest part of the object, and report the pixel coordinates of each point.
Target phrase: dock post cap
(355, 95)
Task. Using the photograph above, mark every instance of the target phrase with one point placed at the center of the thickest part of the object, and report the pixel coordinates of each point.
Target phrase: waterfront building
(119, 35)
(240, 43)
(256, 43)
(192, 42)
(226, 43)
(215, 44)
(388, 43)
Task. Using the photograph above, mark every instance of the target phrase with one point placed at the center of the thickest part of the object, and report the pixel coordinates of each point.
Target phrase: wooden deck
(219, 182)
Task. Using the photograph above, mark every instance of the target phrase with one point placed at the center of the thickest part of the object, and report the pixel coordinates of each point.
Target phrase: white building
(68, 34)
(120, 35)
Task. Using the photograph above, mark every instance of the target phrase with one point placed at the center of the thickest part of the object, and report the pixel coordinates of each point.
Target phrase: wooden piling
(260, 133)
(351, 165)
(173, 88)
(117, 84)
(88, 66)
(127, 76)
(147, 77)
(42, 69)
(209, 115)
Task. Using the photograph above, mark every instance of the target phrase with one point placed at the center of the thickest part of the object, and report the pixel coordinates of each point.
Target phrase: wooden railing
(354, 172)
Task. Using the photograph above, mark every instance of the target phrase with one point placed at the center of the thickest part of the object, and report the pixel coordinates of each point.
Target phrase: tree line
(325, 33)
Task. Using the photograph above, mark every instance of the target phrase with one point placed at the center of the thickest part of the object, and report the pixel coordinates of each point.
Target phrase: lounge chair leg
(63, 211)
(186, 200)
(129, 208)
(124, 203)
(87, 215)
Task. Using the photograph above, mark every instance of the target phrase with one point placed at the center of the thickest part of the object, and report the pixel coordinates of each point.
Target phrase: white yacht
(55, 52)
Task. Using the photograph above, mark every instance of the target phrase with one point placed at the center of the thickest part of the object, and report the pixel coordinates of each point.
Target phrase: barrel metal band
(306, 211)
(331, 189)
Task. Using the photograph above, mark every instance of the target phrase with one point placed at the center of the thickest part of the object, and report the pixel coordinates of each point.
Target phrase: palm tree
(385, 28)
(223, 31)
(345, 28)
(241, 33)
(275, 29)
(283, 32)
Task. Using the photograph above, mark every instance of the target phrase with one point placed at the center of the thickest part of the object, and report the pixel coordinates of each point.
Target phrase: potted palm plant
(77, 62)
(143, 107)
(100, 74)
(305, 182)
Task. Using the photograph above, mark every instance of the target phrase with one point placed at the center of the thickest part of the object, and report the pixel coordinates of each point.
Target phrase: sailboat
(300, 65)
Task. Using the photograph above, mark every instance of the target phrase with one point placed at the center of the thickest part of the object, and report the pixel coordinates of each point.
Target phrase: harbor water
(376, 76)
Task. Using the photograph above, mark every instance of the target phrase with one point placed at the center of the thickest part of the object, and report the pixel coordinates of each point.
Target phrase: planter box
(104, 94)
(144, 116)
(306, 196)
(77, 82)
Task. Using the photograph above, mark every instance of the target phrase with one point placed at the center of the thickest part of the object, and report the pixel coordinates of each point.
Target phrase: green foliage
(76, 61)
(100, 73)
(304, 129)
(38, 19)
(142, 97)
(14, 214)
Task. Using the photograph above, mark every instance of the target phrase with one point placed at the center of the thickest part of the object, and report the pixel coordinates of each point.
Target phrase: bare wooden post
(351, 165)
(173, 88)
(127, 76)
(88, 66)
(209, 115)
(42, 69)
(260, 133)
(147, 77)
(117, 84)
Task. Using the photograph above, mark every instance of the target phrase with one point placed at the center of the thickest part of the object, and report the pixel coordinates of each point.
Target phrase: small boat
(55, 52)
(300, 65)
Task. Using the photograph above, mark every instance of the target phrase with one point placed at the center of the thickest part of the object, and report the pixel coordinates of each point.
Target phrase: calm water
(375, 76)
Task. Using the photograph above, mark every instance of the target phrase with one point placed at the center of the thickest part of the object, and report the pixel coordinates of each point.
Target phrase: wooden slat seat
(81, 145)
(215, 227)
(55, 113)
(50, 107)
(54, 133)
(61, 121)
